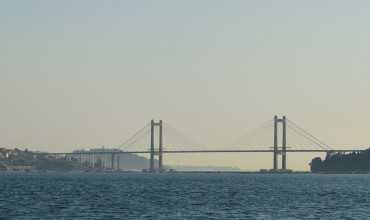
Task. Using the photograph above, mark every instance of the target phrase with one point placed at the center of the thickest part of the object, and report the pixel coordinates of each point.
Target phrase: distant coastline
(355, 162)
(25, 160)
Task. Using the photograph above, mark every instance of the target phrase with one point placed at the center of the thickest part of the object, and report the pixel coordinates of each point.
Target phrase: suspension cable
(136, 134)
(253, 131)
(298, 132)
(309, 134)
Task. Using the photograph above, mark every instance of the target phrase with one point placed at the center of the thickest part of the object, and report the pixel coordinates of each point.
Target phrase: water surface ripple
(183, 196)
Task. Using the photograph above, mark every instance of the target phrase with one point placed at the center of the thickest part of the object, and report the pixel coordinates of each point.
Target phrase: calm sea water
(183, 196)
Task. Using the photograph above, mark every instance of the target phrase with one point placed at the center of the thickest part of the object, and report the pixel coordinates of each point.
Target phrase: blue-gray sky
(89, 73)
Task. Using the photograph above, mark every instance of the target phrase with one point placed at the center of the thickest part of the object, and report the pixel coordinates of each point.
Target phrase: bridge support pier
(112, 161)
(160, 157)
(151, 166)
(118, 162)
(276, 152)
(153, 152)
(284, 145)
(276, 143)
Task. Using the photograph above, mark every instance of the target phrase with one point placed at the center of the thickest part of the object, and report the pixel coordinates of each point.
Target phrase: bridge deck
(211, 151)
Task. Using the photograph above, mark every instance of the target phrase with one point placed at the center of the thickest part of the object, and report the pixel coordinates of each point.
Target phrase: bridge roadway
(209, 151)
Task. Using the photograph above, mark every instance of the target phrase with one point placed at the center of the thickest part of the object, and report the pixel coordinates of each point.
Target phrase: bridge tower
(277, 121)
(153, 151)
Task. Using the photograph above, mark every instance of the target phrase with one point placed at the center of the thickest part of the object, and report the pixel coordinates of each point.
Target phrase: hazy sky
(90, 73)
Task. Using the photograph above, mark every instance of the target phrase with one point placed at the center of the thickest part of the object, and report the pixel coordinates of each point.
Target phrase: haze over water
(82, 74)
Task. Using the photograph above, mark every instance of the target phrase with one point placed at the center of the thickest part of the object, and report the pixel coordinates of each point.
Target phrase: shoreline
(193, 172)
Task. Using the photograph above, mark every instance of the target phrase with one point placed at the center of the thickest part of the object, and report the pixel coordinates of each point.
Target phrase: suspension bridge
(153, 133)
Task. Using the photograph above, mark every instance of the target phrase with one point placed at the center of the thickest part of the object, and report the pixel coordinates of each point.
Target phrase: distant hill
(133, 162)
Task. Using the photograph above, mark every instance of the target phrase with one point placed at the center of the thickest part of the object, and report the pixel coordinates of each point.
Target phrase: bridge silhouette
(156, 149)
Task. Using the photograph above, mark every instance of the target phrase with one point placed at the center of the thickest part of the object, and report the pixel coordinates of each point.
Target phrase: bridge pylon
(277, 121)
(153, 151)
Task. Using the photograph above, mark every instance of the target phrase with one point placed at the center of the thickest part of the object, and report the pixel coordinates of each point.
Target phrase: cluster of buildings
(98, 159)
(15, 160)
(109, 159)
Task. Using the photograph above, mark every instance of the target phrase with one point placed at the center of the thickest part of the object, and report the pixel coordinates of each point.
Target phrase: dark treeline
(340, 162)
